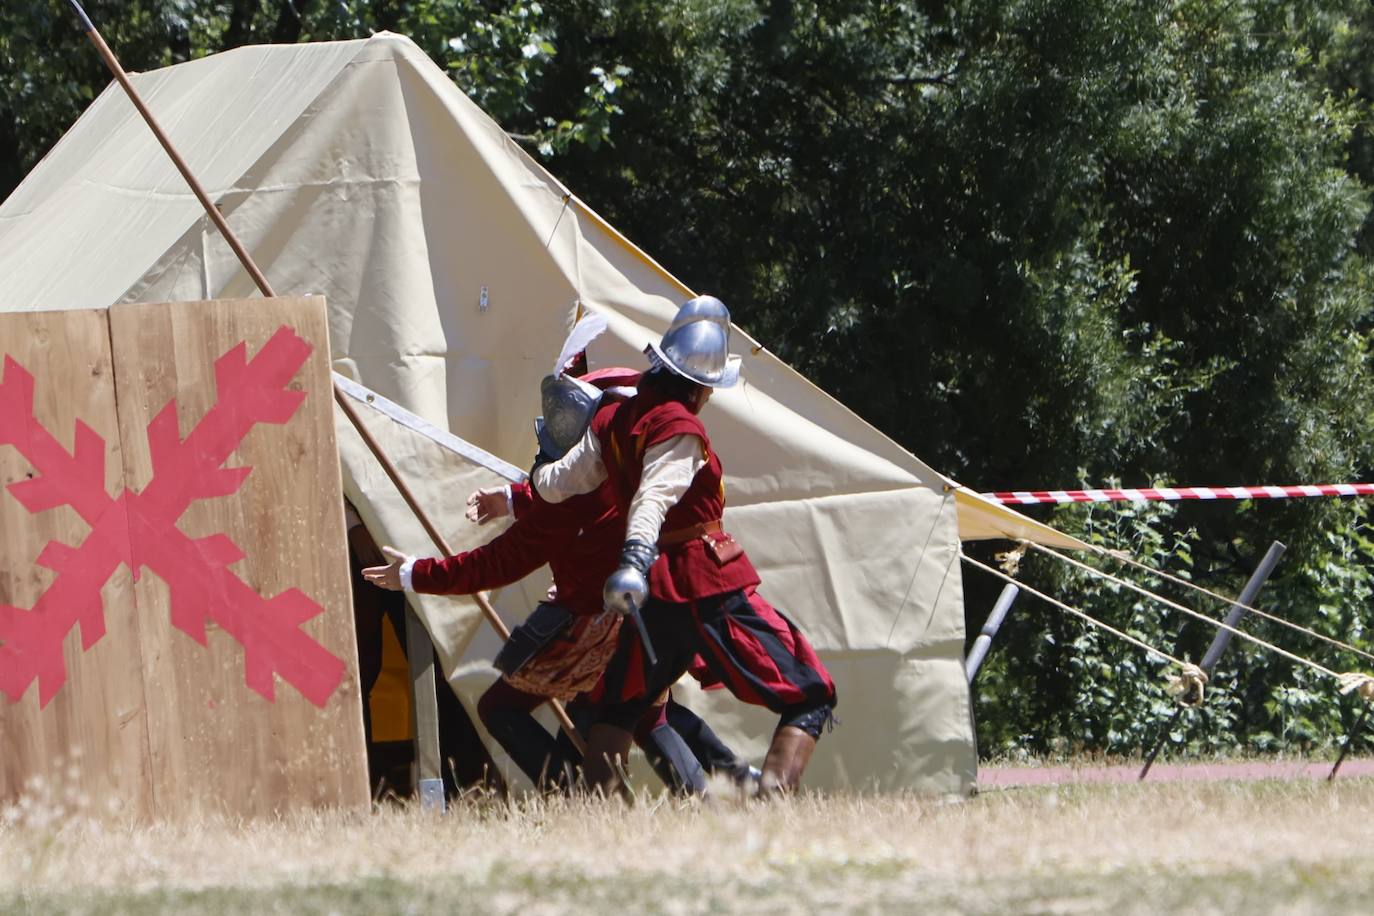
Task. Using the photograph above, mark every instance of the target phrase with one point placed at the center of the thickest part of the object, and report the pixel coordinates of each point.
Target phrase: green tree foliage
(1035, 241)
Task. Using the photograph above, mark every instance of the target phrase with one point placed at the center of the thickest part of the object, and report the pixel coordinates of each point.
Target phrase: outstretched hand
(389, 576)
(487, 504)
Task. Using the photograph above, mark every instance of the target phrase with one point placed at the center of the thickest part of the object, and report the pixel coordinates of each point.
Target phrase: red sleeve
(601, 420)
(509, 557)
(521, 498)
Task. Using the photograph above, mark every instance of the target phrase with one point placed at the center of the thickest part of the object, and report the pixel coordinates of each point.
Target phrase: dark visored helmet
(697, 344)
(568, 405)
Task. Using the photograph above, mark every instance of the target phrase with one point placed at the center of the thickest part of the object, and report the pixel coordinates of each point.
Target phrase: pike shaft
(211, 210)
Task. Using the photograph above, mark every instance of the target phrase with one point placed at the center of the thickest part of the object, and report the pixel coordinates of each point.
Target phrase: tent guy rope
(1347, 681)
(117, 70)
(1187, 685)
(1128, 560)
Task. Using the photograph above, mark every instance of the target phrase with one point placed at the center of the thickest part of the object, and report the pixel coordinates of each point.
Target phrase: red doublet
(579, 538)
(687, 571)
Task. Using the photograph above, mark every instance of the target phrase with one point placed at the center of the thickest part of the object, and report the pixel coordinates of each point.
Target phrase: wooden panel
(88, 743)
(265, 715)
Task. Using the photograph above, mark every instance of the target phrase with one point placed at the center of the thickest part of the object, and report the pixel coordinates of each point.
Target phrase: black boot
(674, 762)
(715, 755)
(532, 748)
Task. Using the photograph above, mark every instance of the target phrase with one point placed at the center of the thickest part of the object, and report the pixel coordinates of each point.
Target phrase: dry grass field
(1252, 847)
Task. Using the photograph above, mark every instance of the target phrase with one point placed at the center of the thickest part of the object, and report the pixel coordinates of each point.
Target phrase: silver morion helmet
(568, 405)
(697, 344)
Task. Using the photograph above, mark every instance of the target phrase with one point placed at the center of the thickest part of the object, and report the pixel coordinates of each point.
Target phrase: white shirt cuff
(510, 501)
(406, 568)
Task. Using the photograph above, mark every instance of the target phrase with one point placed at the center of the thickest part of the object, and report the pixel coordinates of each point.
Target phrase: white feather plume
(583, 333)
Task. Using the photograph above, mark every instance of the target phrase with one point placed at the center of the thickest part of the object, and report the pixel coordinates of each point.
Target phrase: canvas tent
(453, 265)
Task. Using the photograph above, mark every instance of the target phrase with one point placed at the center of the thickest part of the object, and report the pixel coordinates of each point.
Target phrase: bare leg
(605, 743)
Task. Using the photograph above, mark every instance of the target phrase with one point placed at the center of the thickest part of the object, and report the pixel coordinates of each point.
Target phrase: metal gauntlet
(628, 587)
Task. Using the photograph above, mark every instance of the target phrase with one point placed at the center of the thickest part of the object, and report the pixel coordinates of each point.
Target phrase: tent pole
(1349, 740)
(260, 279)
(1222, 639)
(424, 715)
(989, 631)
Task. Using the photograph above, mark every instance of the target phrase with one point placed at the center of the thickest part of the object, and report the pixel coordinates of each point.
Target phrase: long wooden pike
(249, 265)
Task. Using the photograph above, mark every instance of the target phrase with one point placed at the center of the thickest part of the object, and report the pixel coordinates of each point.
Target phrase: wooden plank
(424, 717)
(234, 723)
(87, 746)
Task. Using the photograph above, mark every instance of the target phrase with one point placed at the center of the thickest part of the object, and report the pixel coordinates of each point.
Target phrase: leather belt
(692, 532)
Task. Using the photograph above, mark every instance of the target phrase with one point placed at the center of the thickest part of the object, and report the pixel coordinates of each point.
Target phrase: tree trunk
(290, 18)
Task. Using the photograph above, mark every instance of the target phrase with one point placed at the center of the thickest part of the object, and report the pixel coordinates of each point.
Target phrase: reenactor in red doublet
(562, 648)
(692, 581)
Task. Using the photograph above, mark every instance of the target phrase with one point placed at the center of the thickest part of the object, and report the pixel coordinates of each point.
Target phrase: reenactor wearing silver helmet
(691, 581)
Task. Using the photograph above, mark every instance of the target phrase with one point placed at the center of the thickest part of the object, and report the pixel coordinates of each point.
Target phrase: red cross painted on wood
(139, 530)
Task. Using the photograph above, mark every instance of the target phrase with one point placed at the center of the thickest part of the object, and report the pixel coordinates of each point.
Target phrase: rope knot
(1357, 681)
(1010, 560)
(1188, 685)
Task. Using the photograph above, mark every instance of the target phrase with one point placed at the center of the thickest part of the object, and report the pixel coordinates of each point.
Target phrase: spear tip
(80, 11)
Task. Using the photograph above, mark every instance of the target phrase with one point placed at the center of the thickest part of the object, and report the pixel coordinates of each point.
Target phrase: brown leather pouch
(723, 548)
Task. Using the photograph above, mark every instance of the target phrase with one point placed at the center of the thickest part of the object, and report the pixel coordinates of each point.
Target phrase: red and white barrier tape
(1172, 494)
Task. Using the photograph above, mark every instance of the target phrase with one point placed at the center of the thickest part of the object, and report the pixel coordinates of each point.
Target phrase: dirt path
(1002, 777)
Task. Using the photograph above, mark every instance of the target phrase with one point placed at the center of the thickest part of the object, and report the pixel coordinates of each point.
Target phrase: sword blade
(643, 635)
